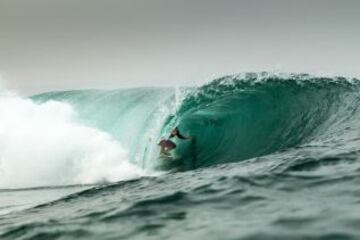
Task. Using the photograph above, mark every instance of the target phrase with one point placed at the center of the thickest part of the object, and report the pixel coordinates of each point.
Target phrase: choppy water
(272, 157)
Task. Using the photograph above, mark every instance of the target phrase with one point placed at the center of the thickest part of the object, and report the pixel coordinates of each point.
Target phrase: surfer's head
(175, 131)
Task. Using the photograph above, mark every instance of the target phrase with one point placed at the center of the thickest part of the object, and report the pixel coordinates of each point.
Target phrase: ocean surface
(272, 156)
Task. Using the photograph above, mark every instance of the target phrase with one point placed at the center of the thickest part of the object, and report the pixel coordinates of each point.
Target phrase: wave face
(230, 119)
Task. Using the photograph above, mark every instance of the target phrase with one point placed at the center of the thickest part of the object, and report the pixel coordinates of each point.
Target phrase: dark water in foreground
(275, 158)
(223, 202)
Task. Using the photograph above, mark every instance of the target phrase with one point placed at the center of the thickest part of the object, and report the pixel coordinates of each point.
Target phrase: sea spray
(46, 144)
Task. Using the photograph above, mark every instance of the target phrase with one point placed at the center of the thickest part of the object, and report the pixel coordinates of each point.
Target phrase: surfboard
(167, 155)
(168, 160)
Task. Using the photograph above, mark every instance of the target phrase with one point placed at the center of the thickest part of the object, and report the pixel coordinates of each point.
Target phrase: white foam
(45, 144)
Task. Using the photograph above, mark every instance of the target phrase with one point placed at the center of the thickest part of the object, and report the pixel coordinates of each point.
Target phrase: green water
(272, 157)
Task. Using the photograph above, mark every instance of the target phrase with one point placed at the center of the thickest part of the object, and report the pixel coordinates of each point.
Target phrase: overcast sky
(71, 44)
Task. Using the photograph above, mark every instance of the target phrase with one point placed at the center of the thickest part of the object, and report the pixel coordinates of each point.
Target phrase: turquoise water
(273, 156)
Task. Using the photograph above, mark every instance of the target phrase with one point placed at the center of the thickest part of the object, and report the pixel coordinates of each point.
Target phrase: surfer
(168, 145)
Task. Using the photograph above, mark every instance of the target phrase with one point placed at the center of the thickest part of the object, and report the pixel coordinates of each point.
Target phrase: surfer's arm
(183, 137)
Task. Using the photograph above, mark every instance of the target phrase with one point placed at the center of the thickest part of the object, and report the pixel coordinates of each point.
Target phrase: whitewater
(45, 144)
(272, 156)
